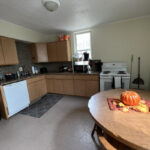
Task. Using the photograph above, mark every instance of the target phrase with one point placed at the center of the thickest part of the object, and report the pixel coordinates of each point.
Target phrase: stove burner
(121, 72)
(106, 72)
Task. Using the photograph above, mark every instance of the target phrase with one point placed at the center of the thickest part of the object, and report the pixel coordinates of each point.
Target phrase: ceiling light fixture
(51, 5)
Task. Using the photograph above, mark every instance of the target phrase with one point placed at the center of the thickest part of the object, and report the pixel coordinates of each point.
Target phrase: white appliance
(16, 96)
(113, 76)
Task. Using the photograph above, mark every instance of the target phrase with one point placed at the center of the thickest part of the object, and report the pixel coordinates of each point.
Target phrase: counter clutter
(77, 84)
(5, 82)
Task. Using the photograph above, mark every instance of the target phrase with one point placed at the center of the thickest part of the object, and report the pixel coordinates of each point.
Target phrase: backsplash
(25, 61)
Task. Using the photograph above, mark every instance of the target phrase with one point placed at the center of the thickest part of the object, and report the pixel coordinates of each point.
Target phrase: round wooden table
(132, 128)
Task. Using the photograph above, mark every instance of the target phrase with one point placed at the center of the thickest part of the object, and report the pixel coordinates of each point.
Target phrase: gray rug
(39, 108)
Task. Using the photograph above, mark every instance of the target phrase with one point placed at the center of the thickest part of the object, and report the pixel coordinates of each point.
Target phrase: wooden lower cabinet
(34, 90)
(50, 85)
(43, 87)
(91, 88)
(37, 88)
(58, 86)
(79, 87)
(86, 85)
(68, 87)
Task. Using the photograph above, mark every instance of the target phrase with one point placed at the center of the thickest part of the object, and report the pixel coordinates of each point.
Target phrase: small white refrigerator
(16, 96)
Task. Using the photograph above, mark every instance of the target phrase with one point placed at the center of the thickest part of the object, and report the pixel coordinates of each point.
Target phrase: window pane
(83, 41)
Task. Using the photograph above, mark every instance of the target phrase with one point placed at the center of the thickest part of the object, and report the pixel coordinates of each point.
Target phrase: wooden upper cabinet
(59, 51)
(39, 52)
(52, 52)
(9, 51)
(2, 62)
(63, 50)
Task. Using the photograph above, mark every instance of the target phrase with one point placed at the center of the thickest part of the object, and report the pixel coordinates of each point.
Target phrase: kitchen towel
(117, 82)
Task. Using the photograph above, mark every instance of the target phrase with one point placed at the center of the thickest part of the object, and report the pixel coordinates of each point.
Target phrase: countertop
(5, 82)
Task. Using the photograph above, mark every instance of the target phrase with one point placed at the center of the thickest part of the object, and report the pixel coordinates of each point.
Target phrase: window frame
(75, 41)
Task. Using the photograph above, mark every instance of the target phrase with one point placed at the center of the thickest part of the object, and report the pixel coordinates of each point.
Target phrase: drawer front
(50, 85)
(86, 77)
(34, 90)
(50, 76)
(63, 77)
(35, 79)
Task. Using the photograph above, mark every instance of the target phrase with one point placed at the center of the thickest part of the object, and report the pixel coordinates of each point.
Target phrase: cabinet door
(50, 85)
(43, 87)
(34, 90)
(1, 55)
(79, 87)
(92, 87)
(52, 52)
(9, 51)
(33, 53)
(68, 87)
(63, 51)
(58, 86)
(41, 49)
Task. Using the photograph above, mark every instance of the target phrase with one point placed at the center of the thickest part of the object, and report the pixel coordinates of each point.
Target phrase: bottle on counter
(36, 70)
(33, 70)
(18, 74)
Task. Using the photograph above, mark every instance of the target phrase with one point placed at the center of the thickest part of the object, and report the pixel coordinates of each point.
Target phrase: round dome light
(51, 5)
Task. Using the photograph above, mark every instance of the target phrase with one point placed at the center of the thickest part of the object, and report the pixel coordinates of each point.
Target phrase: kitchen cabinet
(52, 52)
(50, 85)
(3, 104)
(63, 51)
(2, 62)
(8, 51)
(39, 52)
(36, 87)
(61, 84)
(68, 87)
(79, 87)
(86, 85)
(68, 84)
(59, 51)
(58, 86)
(91, 88)
(43, 87)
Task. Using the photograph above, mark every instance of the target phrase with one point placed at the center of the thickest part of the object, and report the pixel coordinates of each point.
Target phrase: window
(83, 42)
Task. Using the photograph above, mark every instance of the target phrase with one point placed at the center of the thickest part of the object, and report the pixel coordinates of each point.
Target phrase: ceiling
(72, 15)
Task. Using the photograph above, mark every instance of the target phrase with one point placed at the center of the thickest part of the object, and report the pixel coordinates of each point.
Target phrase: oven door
(126, 82)
(106, 83)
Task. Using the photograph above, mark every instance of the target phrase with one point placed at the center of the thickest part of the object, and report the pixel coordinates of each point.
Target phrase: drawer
(50, 76)
(86, 77)
(35, 79)
(62, 77)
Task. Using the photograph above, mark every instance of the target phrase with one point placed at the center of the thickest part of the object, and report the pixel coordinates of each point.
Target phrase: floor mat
(39, 108)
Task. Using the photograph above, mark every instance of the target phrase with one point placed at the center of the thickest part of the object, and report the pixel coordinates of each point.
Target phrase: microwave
(80, 68)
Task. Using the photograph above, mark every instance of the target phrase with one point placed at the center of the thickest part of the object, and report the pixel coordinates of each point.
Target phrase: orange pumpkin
(130, 98)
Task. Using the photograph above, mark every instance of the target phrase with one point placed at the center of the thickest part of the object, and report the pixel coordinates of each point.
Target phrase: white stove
(113, 76)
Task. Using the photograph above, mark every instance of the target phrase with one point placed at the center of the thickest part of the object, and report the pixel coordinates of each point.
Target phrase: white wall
(118, 41)
(20, 33)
